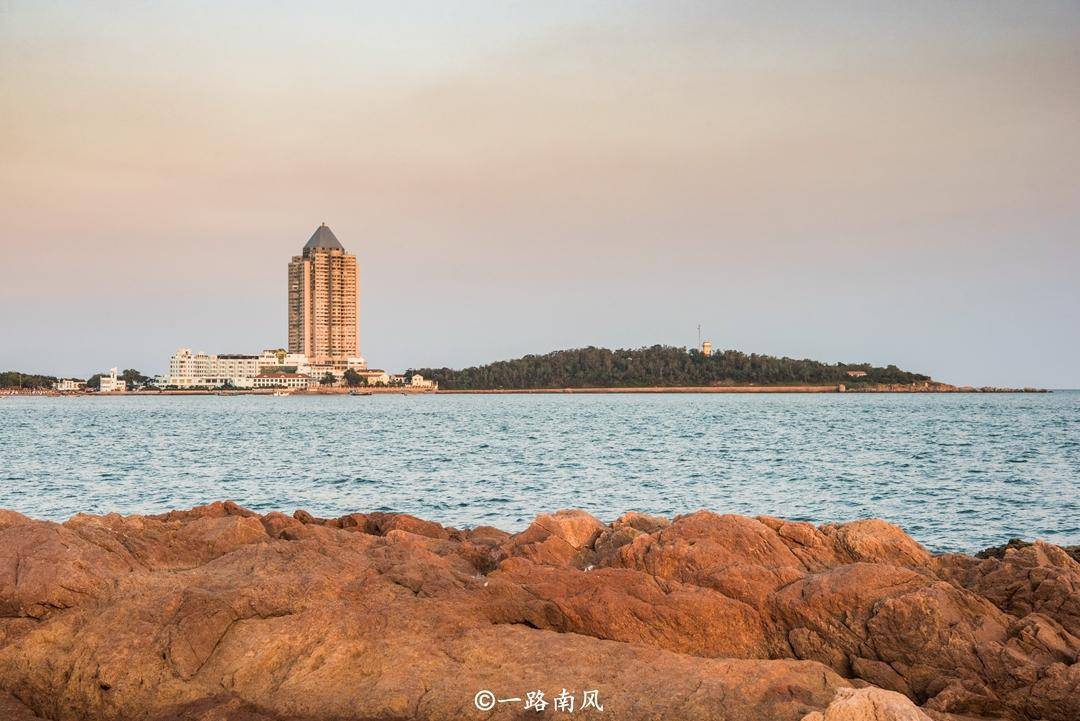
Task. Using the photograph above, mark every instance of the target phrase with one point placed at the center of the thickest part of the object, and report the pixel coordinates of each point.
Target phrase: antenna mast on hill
(699, 335)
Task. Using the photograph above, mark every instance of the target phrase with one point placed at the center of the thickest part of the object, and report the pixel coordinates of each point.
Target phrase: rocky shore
(219, 613)
(937, 387)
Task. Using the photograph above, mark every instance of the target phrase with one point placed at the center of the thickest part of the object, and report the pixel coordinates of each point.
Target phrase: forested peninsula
(661, 366)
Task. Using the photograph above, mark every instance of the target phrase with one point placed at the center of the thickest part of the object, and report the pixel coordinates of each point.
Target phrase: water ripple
(959, 472)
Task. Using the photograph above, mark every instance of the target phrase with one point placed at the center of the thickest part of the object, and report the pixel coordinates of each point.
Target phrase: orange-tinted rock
(623, 605)
(739, 557)
(222, 707)
(869, 704)
(218, 613)
(484, 534)
(376, 524)
(11, 518)
(46, 568)
(174, 540)
(278, 525)
(806, 542)
(1037, 578)
(624, 530)
(11, 709)
(217, 509)
(383, 523)
(556, 538)
(875, 541)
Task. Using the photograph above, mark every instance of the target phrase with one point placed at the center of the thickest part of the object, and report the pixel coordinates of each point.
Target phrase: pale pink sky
(823, 180)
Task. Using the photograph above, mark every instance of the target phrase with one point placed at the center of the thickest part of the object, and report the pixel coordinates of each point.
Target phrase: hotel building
(188, 370)
(323, 333)
(323, 303)
(203, 370)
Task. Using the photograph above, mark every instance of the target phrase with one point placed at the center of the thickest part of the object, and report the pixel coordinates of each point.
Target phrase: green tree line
(15, 379)
(657, 366)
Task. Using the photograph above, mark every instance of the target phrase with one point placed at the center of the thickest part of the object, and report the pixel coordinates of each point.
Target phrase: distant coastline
(653, 369)
(914, 388)
(668, 369)
(269, 392)
(621, 390)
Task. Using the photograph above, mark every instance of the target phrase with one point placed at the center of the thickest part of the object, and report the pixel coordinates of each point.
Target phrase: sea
(959, 472)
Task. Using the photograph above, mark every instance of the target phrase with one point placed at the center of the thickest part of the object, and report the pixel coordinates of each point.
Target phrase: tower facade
(324, 310)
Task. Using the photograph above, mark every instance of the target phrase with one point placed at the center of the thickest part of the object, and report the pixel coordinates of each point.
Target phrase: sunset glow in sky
(835, 180)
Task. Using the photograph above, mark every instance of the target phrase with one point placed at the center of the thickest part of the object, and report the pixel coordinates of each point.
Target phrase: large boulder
(869, 704)
(875, 541)
(623, 605)
(46, 568)
(1034, 578)
(560, 538)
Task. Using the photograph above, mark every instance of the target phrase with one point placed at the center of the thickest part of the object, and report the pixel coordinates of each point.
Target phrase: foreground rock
(220, 613)
(868, 704)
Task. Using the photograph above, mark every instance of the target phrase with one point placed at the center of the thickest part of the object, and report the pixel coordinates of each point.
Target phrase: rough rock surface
(868, 704)
(220, 613)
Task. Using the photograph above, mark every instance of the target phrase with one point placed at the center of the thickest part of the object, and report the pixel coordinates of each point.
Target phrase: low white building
(111, 384)
(193, 370)
(418, 381)
(66, 385)
(204, 370)
(282, 359)
(292, 381)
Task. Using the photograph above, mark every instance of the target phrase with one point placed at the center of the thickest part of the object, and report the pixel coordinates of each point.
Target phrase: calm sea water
(958, 472)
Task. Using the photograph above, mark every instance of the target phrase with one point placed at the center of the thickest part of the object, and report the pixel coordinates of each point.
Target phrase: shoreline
(739, 389)
(652, 390)
(235, 392)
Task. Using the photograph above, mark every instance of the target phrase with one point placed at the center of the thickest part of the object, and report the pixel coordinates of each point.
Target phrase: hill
(658, 366)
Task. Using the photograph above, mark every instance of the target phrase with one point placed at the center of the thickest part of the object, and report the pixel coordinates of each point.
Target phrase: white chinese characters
(563, 703)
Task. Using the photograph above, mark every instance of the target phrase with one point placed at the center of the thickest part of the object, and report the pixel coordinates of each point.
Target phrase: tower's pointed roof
(323, 238)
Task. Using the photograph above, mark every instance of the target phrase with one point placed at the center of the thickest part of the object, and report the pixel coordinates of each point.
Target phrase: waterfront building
(706, 348)
(418, 381)
(323, 313)
(323, 302)
(203, 370)
(294, 381)
(67, 385)
(112, 384)
(282, 361)
(376, 377)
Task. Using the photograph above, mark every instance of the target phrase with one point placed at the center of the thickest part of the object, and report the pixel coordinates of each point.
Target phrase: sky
(845, 181)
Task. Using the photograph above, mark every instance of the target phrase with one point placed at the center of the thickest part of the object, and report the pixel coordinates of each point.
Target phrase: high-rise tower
(323, 301)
